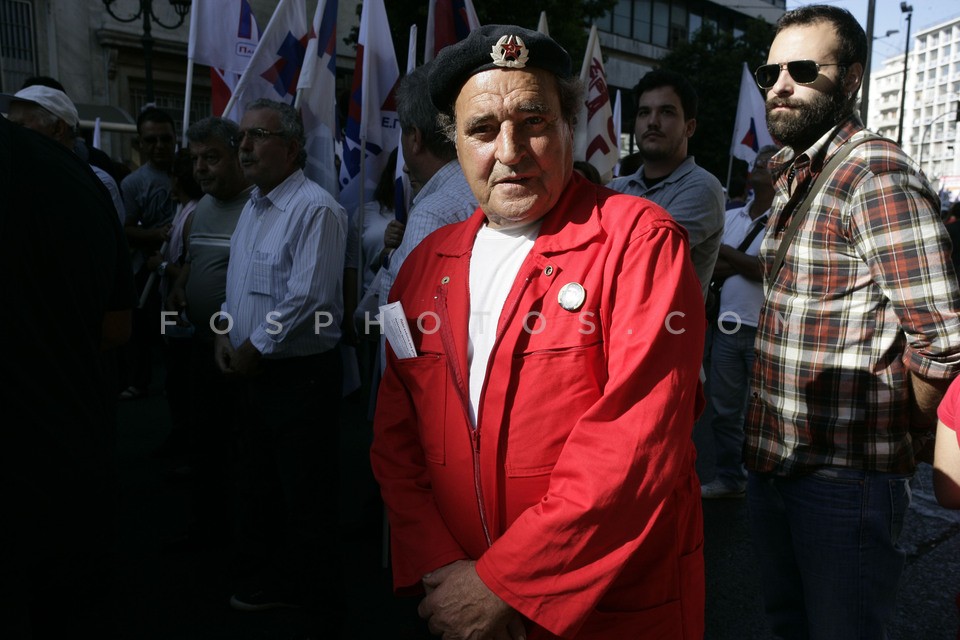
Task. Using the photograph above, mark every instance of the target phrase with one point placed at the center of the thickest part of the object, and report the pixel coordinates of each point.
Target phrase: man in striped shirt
(278, 332)
(431, 160)
(858, 337)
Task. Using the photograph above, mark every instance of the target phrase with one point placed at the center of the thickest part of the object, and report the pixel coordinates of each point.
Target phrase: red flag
(448, 21)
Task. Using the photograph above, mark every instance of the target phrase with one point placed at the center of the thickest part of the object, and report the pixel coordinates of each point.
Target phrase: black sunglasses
(802, 72)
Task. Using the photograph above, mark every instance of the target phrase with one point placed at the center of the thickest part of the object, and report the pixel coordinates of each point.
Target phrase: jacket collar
(282, 194)
(569, 224)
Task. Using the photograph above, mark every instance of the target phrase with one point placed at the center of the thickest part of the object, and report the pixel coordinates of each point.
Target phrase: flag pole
(244, 77)
(400, 212)
(188, 90)
(729, 174)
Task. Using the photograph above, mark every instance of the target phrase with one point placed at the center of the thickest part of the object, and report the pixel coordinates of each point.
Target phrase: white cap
(53, 100)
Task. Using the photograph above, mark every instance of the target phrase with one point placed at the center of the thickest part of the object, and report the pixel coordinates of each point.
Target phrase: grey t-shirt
(147, 197)
(213, 224)
(694, 197)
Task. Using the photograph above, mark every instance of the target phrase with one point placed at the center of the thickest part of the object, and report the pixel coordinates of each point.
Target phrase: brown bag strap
(801, 211)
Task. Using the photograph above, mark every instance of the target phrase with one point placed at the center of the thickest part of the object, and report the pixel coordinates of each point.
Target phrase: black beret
(489, 47)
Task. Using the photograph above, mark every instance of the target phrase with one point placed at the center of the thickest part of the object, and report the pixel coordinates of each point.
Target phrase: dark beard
(804, 125)
(657, 155)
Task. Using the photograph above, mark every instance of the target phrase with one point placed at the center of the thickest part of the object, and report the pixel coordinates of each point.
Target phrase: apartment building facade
(100, 59)
(930, 108)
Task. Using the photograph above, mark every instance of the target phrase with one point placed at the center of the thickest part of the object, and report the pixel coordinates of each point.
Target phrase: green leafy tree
(713, 62)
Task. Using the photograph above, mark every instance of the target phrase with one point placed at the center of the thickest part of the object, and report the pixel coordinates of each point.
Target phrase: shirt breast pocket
(262, 273)
(426, 377)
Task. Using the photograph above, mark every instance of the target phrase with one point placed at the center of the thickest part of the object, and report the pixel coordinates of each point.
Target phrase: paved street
(183, 596)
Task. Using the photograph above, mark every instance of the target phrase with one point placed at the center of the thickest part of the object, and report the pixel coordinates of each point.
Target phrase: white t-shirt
(740, 297)
(494, 264)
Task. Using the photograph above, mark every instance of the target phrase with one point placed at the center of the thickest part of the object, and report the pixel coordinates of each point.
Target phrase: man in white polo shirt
(51, 112)
(731, 356)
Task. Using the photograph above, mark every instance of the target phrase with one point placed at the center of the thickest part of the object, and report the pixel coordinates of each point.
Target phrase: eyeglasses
(257, 134)
(802, 72)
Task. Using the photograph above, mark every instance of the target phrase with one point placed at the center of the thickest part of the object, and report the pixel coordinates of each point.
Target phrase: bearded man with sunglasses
(858, 337)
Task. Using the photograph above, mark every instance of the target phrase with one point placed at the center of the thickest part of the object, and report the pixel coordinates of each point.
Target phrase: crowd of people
(532, 419)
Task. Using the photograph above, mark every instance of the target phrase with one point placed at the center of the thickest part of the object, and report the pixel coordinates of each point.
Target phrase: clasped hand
(459, 606)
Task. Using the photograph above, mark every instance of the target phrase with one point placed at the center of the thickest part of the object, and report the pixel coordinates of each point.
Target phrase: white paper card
(394, 323)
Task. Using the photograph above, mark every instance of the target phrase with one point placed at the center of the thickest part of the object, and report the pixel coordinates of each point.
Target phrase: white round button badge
(572, 296)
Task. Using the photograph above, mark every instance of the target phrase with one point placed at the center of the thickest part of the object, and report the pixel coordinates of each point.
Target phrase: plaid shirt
(866, 294)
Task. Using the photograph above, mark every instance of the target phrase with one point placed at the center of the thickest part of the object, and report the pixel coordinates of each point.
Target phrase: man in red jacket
(535, 452)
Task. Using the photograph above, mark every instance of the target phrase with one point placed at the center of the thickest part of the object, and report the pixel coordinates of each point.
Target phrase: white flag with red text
(750, 130)
(274, 68)
(371, 131)
(448, 22)
(223, 36)
(595, 138)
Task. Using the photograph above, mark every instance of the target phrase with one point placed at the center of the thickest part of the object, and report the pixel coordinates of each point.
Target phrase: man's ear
(690, 127)
(853, 78)
(293, 150)
(62, 132)
(416, 140)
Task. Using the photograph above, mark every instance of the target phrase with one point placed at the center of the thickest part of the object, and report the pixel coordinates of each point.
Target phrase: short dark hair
(291, 124)
(43, 81)
(665, 78)
(386, 190)
(415, 109)
(153, 114)
(214, 128)
(589, 171)
(182, 170)
(852, 38)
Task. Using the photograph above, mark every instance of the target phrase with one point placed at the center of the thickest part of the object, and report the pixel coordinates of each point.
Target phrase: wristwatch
(162, 268)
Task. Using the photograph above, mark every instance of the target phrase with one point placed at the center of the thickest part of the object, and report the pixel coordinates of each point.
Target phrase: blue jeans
(827, 546)
(731, 365)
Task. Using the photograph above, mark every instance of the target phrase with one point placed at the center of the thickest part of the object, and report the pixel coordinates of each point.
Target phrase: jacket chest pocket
(559, 373)
(558, 332)
(425, 376)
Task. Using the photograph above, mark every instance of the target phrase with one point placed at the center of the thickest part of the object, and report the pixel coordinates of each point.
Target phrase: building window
(641, 20)
(661, 23)
(18, 56)
(667, 23)
(170, 99)
(678, 23)
(621, 18)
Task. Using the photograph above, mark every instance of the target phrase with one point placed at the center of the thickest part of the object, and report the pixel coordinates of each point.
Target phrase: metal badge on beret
(493, 46)
(572, 296)
(510, 52)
